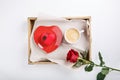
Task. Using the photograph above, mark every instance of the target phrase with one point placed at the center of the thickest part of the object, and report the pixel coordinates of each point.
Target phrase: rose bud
(72, 56)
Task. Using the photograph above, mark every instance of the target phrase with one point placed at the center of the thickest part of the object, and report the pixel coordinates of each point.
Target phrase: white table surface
(13, 37)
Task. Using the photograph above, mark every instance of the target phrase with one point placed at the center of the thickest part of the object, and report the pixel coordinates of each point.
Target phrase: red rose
(72, 56)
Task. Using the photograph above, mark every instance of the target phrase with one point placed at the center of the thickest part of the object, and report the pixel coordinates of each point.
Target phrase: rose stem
(89, 62)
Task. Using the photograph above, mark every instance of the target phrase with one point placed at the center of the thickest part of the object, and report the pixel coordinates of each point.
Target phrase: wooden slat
(30, 27)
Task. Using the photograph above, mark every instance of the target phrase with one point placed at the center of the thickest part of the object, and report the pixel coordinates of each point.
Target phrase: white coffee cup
(72, 35)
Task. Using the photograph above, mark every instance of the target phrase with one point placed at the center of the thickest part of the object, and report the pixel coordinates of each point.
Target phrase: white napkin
(59, 55)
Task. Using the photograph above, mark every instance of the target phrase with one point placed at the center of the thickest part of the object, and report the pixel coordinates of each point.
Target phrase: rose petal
(68, 55)
(72, 56)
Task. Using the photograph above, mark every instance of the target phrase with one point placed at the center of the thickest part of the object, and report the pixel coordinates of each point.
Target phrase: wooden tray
(31, 21)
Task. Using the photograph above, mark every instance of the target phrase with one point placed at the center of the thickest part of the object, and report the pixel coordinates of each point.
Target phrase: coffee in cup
(72, 35)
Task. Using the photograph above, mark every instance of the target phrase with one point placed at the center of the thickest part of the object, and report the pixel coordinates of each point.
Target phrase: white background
(13, 37)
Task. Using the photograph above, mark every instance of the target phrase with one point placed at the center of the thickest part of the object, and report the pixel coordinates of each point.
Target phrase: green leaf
(101, 59)
(84, 54)
(100, 76)
(105, 71)
(78, 64)
(89, 67)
